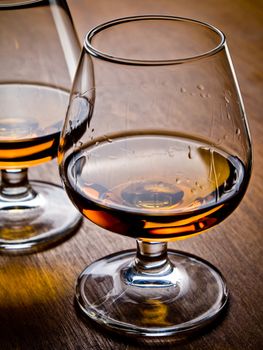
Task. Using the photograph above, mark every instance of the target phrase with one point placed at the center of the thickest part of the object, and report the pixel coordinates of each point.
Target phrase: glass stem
(151, 266)
(151, 257)
(15, 186)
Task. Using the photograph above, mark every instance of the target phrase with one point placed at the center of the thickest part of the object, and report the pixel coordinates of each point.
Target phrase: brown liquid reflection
(154, 313)
(27, 285)
(19, 231)
(30, 293)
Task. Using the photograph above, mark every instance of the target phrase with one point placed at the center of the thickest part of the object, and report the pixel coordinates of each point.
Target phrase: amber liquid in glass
(30, 123)
(34, 151)
(154, 186)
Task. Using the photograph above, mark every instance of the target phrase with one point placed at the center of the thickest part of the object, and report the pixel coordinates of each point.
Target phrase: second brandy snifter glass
(39, 55)
(155, 146)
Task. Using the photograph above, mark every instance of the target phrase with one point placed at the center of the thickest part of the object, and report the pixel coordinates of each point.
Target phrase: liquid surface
(30, 123)
(154, 186)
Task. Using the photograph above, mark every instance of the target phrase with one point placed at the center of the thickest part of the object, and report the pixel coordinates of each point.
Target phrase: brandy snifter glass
(39, 55)
(155, 146)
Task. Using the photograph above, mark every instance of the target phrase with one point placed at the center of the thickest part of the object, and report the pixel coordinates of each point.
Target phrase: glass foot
(187, 298)
(36, 223)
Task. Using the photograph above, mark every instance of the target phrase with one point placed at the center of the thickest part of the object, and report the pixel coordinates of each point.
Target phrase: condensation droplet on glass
(237, 131)
(92, 130)
(228, 116)
(202, 95)
(193, 190)
(183, 90)
(200, 87)
(178, 181)
(227, 100)
(171, 151)
(189, 152)
(225, 137)
(193, 94)
(109, 140)
(97, 143)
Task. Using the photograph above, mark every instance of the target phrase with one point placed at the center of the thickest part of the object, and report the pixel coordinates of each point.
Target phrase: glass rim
(103, 55)
(12, 3)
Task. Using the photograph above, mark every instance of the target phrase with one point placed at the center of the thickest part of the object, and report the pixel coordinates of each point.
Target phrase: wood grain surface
(37, 291)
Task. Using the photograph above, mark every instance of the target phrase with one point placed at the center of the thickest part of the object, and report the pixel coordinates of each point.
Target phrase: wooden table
(37, 291)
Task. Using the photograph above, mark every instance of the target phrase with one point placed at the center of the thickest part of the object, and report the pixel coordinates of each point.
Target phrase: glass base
(37, 223)
(189, 297)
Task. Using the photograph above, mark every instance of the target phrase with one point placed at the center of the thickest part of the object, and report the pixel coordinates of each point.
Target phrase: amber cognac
(154, 186)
